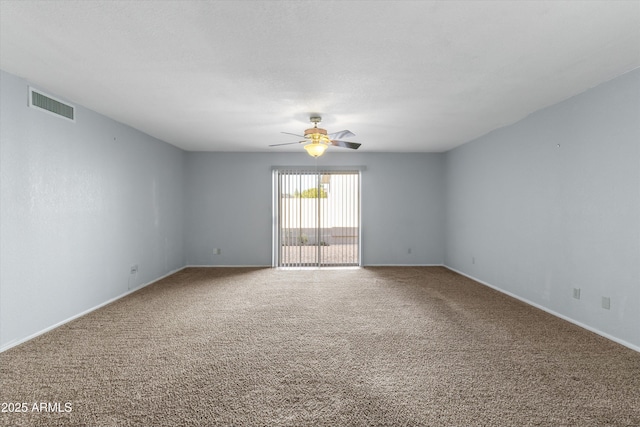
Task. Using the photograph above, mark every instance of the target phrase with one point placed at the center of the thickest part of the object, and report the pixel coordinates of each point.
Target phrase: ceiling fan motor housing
(315, 130)
(315, 133)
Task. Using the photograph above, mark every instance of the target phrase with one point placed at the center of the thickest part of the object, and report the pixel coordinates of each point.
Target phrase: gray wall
(552, 203)
(229, 205)
(80, 203)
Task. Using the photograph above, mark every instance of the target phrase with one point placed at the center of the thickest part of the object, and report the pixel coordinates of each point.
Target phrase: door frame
(275, 219)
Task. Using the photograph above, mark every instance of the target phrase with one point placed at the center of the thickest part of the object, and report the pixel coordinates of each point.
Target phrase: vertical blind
(317, 218)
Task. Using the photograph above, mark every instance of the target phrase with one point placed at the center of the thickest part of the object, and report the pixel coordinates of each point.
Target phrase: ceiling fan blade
(345, 144)
(341, 134)
(287, 143)
(294, 134)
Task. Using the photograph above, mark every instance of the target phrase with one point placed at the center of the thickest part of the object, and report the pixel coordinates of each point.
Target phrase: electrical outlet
(409, 250)
(576, 293)
(217, 251)
(134, 269)
(606, 303)
(473, 260)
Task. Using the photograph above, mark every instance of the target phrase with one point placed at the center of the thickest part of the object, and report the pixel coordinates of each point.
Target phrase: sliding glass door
(317, 218)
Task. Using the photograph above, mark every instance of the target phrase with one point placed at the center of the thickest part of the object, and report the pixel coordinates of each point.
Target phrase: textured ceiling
(418, 76)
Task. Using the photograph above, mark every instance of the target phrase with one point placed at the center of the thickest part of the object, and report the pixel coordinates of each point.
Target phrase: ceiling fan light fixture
(315, 149)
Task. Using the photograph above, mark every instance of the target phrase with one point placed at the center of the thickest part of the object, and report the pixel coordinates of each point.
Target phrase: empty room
(320, 213)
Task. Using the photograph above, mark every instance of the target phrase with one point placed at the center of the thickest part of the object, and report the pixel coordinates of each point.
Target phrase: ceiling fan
(318, 139)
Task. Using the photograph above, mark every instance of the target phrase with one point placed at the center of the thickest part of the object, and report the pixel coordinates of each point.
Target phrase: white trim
(403, 265)
(275, 215)
(338, 267)
(360, 227)
(526, 301)
(14, 343)
(554, 313)
(227, 266)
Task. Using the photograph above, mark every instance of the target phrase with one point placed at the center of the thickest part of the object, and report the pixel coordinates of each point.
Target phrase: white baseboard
(14, 343)
(531, 303)
(270, 266)
(552, 312)
(227, 266)
(320, 268)
(403, 265)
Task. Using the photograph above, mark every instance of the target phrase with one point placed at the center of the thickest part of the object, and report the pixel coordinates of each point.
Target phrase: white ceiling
(404, 76)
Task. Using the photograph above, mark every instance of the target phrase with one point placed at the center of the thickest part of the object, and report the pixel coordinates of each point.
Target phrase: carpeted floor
(386, 346)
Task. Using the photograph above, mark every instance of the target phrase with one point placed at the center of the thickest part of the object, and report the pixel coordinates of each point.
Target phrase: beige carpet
(368, 347)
